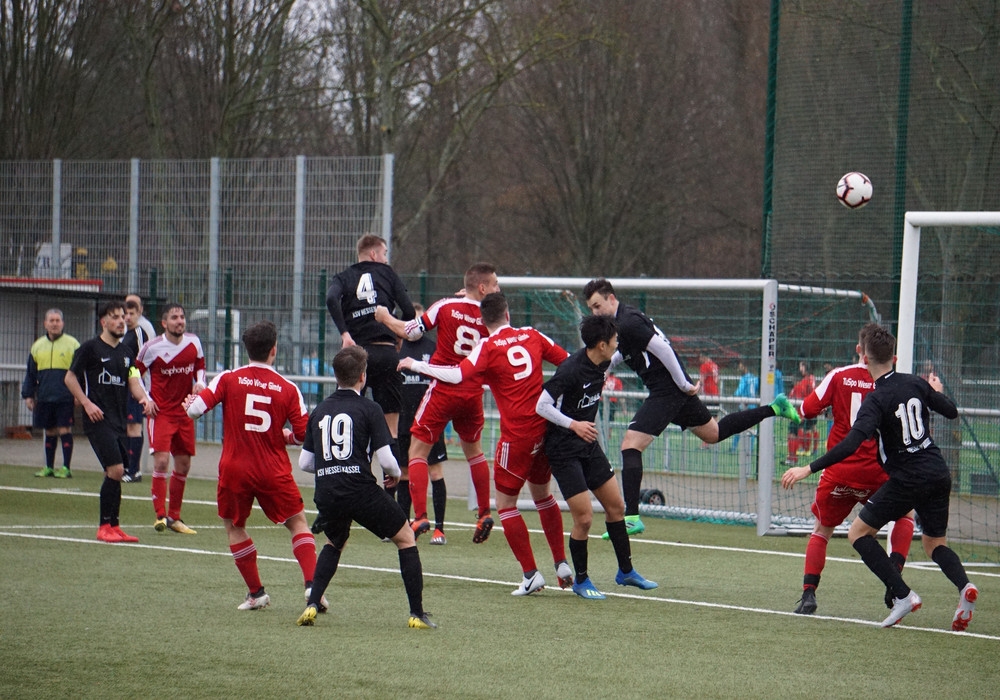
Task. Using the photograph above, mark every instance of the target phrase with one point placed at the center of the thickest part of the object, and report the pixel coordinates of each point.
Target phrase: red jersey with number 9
(510, 362)
(460, 327)
(257, 402)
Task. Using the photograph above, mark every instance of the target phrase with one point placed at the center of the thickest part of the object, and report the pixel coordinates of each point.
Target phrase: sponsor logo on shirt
(108, 379)
(851, 492)
(170, 371)
(258, 384)
(588, 400)
(459, 316)
(338, 469)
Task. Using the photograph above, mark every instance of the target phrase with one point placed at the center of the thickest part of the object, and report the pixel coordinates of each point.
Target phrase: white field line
(507, 584)
(980, 567)
(19, 531)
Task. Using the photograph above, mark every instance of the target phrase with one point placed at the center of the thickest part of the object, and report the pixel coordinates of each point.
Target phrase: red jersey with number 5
(257, 402)
(843, 390)
(460, 327)
(510, 362)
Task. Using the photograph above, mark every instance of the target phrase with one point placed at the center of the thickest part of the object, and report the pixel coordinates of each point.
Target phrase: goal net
(755, 327)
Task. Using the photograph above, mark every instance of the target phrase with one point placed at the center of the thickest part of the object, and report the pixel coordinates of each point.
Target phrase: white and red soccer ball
(854, 190)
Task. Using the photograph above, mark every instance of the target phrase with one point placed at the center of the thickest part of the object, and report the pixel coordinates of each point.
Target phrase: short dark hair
(107, 307)
(493, 307)
(132, 305)
(863, 333)
(370, 241)
(880, 345)
(349, 364)
(258, 339)
(599, 285)
(170, 307)
(478, 274)
(596, 329)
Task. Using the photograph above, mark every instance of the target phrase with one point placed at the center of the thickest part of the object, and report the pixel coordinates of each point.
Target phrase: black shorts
(108, 443)
(659, 410)
(582, 472)
(385, 381)
(133, 410)
(53, 414)
(439, 451)
(894, 500)
(370, 507)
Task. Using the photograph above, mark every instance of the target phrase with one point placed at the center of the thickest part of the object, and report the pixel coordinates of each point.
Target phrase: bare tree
(630, 158)
(55, 64)
(410, 69)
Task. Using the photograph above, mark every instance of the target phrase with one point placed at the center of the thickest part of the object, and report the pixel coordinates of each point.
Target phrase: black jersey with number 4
(576, 388)
(635, 330)
(899, 411)
(344, 431)
(354, 294)
(103, 372)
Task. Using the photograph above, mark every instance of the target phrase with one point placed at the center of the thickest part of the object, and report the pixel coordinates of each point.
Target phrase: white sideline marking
(922, 566)
(508, 584)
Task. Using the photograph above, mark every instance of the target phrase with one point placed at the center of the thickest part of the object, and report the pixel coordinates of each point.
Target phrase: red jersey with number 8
(460, 327)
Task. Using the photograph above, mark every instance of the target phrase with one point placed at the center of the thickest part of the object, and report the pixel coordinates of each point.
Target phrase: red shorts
(519, 461)
(277, 494)
(835, 501)
(171, 433)
(441, 405)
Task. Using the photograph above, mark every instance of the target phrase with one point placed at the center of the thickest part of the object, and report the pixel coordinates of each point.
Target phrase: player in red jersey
(509, 360)
(848, 482)
(803, 438)
(258, 402)
(176, 367)
(459, 329)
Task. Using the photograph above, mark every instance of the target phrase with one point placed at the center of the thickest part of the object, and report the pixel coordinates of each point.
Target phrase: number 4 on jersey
(366, 289)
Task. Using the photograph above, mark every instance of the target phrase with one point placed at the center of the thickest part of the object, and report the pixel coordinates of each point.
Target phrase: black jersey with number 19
(354, 294)
(344, 432)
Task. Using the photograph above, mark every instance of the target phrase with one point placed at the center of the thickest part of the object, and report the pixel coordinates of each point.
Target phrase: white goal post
(910, 264)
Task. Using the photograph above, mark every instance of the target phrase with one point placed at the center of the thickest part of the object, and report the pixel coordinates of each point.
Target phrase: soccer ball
(854, 190)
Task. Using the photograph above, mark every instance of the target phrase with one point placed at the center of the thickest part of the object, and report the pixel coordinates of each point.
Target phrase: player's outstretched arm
(450, 375)
(396, 325)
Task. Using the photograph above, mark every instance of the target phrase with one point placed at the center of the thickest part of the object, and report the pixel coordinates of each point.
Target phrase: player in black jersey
(344, 431)
(898, 410)
(672, 397)
(101, 377)
(414, 387)
(570, 401)
(135, 337)
(351, 300)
